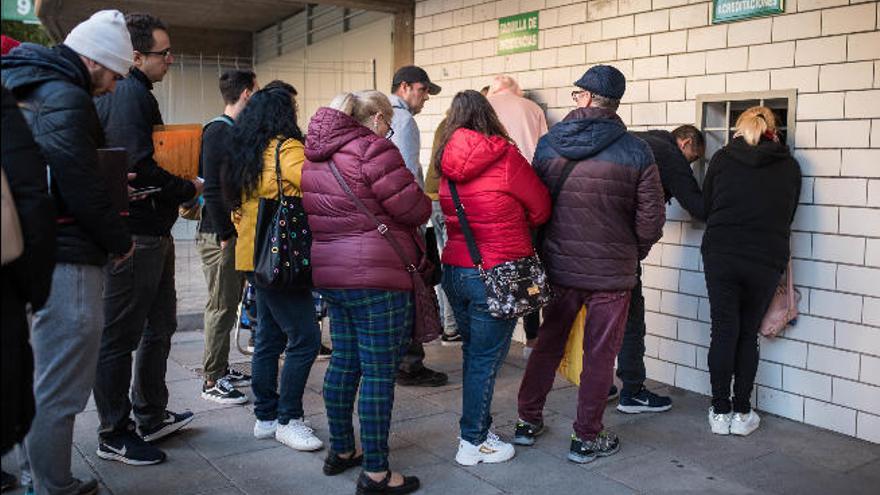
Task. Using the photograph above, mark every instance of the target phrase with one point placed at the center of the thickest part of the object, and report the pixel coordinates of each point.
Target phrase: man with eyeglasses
(140, 301)
(410, 89)
(53, 87)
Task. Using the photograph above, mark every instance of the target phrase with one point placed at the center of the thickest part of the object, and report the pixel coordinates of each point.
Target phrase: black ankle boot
(367, 486)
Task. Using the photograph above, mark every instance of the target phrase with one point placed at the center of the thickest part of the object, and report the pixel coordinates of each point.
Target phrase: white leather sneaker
(744, 424)
(298, 435)
(720, 423)
(490, 451)
(265, 429)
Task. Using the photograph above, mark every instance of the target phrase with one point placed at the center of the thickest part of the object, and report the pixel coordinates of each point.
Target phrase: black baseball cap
(413, 74)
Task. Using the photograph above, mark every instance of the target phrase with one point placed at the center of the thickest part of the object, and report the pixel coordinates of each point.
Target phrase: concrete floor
(671, 452)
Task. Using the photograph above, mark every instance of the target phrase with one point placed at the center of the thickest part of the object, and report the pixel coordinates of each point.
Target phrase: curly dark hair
(470, 110)
(269, 114)
(141, 27)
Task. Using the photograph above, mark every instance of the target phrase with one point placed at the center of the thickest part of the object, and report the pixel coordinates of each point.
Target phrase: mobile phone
(144, 191)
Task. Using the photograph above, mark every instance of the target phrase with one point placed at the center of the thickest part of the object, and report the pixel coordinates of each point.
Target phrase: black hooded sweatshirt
(751, 194)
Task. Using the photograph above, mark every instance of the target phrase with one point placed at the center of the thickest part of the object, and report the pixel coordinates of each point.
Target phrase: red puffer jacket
(501, 194)
(347, 250)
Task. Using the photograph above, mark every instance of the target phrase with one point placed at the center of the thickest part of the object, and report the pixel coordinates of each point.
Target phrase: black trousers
(140, 316)
(631, 358)
(739, 293)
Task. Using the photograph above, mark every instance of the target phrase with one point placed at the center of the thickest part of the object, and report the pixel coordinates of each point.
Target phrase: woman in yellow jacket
(287, 316)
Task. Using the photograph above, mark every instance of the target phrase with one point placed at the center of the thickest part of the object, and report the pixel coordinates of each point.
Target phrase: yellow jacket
(245, 218)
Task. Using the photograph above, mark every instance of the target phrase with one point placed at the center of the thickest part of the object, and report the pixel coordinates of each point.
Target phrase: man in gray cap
(593, 243)
(54, 87)
(410, 89)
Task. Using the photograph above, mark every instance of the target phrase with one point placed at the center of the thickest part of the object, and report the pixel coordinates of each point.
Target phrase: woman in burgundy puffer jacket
(361, 276)
(503, 198)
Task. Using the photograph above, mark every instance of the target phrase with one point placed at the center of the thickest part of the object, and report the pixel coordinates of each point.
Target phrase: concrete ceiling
(209, 27)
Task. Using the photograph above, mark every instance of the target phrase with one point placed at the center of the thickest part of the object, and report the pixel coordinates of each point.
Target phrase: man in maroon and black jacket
(608, 211)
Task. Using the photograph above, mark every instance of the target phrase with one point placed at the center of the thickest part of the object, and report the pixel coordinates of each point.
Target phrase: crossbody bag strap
(469, 238)
(380, 226)
(278, 169)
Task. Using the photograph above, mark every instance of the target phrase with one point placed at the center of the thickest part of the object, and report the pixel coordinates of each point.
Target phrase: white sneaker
(265, 429)
(298, 435)
(491, 451)
(720, 423)
(743, 424)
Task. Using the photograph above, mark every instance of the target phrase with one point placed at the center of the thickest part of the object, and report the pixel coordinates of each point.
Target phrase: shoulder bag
(283, 240)
(426, 324)
(513, 288)
(783, 309)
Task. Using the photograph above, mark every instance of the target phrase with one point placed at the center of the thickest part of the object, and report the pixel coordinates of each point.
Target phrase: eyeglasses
(390, 129)
(164, 53)
(577, 94)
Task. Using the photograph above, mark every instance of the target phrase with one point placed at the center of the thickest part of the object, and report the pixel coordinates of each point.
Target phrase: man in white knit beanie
(53, 87)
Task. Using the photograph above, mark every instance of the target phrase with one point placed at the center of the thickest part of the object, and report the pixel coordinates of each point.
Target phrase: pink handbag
(783, 308)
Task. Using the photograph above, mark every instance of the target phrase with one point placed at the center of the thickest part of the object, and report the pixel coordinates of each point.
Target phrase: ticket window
(717, 115)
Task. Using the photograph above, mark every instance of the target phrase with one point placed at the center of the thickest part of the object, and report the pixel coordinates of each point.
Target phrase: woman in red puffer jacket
(503, 199)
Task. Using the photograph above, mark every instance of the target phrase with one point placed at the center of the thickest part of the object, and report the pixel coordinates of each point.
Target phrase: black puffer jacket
(675, 172)
(128, 116)
(610, 210)
(751, 195)
(53, 89)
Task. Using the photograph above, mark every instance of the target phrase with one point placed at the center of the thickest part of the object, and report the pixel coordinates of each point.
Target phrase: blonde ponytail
(753, 123)
(362, 105)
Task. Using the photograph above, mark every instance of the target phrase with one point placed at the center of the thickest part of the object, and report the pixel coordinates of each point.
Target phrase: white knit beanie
(104, 38)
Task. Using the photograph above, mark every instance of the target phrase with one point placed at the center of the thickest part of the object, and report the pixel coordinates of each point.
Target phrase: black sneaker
(324, 353)
(237, 378)
(450, 339)
(582, 451)
(130, 449)
(8, 482)
(223, 392)
(366, 486)
(613, 393)
(526, 432)
(334, 464)
(87, 487)
(643, 401)
(423, 378)
(172, 423)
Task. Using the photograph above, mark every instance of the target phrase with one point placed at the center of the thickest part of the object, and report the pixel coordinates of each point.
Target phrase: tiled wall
(826, 370)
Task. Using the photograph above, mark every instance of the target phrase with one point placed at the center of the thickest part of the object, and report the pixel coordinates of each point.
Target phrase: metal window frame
(728, 98)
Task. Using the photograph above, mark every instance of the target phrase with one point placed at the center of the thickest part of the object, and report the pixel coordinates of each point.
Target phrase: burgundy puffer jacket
(610, 210)
(501, 195)
(347, 250)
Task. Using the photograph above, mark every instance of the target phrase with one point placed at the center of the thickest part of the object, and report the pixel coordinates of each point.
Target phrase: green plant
(31, 33)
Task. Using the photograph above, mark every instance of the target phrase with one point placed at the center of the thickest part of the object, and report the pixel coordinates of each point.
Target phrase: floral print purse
(513, 288)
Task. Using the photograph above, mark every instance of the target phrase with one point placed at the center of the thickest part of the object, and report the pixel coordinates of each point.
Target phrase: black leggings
(531, 322)
(739, 293)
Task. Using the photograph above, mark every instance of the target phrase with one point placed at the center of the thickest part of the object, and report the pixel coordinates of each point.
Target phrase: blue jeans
(286, 324)
(485, 342)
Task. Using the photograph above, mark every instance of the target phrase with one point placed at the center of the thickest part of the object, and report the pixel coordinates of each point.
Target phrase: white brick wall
(825, 370)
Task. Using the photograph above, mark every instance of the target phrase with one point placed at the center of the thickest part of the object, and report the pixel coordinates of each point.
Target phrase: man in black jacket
(674, 152)
(216, 244)
(140, 301)
(53, 87)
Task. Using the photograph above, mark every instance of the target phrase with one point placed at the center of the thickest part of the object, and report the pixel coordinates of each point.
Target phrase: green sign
(518, 33)
(736, 10)
(19, 10)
